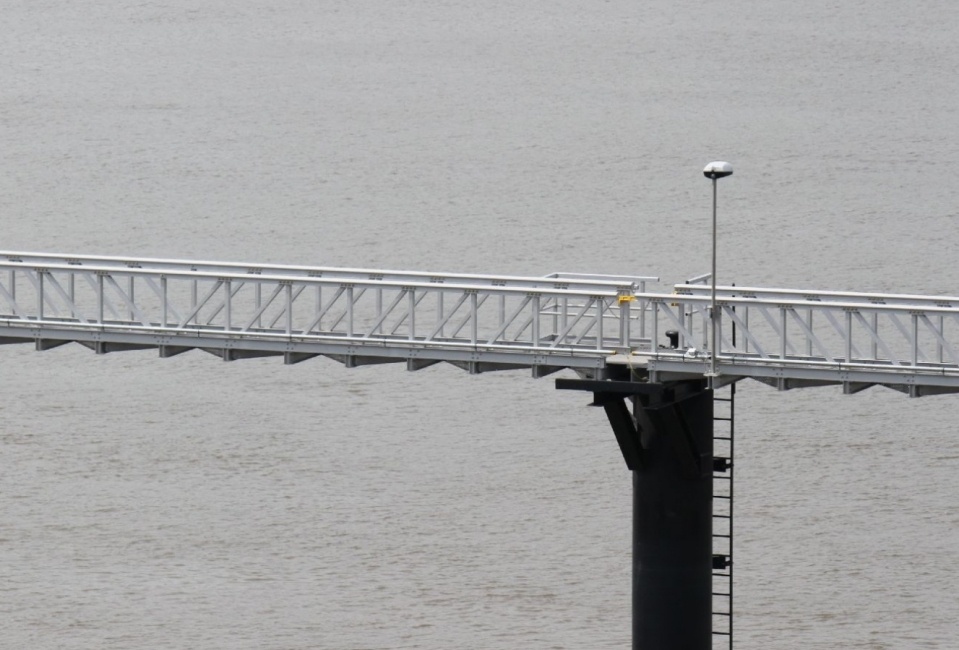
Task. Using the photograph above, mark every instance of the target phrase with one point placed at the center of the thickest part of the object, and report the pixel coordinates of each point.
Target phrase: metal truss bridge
(642, 351)
(599, 326)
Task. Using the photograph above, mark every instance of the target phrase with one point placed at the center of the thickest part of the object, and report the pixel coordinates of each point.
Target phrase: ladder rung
(722, 516)
(721, 633)
(723, 399)
(720, 593)
(720, 575)
(728, 478)
(721, 535)
(721, 496)
(721, 438)
(720, 613)
(722, 419)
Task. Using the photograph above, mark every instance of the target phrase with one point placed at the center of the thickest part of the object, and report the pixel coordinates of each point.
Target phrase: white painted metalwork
(596, 325)
(357, 316)
(794, 338)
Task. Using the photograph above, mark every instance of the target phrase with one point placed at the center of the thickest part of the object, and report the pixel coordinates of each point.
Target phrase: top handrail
(358, 280)
(581, 282)
(812, 295)
(635, 279)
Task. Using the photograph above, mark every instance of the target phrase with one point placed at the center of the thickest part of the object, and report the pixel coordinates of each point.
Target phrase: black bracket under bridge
(658, 410)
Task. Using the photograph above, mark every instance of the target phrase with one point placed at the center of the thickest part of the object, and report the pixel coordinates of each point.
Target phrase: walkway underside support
(668, 446)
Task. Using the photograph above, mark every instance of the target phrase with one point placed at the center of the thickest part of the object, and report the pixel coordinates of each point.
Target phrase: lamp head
(718, 169)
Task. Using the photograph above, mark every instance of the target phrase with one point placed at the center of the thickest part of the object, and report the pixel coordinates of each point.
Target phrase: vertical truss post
(473, 318)
(379, 311)
(874, 321)
(667, 444)
(412, 309)
(165, 300)
(654, 323)
(553, 306)
(100, 305)
(600, 309)
(440, 316)
(132, 294)
(194, 297)
(563, 319)
(258, 302)
(289, 311)
(228, 301)
(40, 295)
(642, 311)
(501, 311)
(942, 332)
(848, 337)
(536, 312)
(915, 339)
(72, 292)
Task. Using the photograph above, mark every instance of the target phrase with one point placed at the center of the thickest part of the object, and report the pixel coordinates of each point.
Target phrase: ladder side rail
(723, 516)
(732, 502)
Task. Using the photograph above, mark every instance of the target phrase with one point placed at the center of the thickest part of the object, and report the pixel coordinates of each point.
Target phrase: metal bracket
(612, 396)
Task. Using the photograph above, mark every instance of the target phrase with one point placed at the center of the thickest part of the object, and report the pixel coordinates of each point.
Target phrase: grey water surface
(188, 503)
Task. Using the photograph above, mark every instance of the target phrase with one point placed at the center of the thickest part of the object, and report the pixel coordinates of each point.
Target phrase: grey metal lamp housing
(718, 169)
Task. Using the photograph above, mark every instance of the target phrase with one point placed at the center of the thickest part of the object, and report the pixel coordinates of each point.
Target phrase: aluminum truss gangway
(641, 350)
(593, 324)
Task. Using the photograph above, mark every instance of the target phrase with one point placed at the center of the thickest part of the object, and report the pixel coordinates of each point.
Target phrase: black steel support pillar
(672, 521)
(668, 446)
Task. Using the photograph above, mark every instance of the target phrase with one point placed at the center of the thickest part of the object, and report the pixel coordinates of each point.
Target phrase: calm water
(187, 503)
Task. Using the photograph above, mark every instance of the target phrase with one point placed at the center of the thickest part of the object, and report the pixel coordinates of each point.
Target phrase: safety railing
(564, 315)
(561, 320)
(833, 332)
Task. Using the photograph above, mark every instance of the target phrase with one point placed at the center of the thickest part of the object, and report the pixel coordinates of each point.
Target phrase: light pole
(715, 171)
